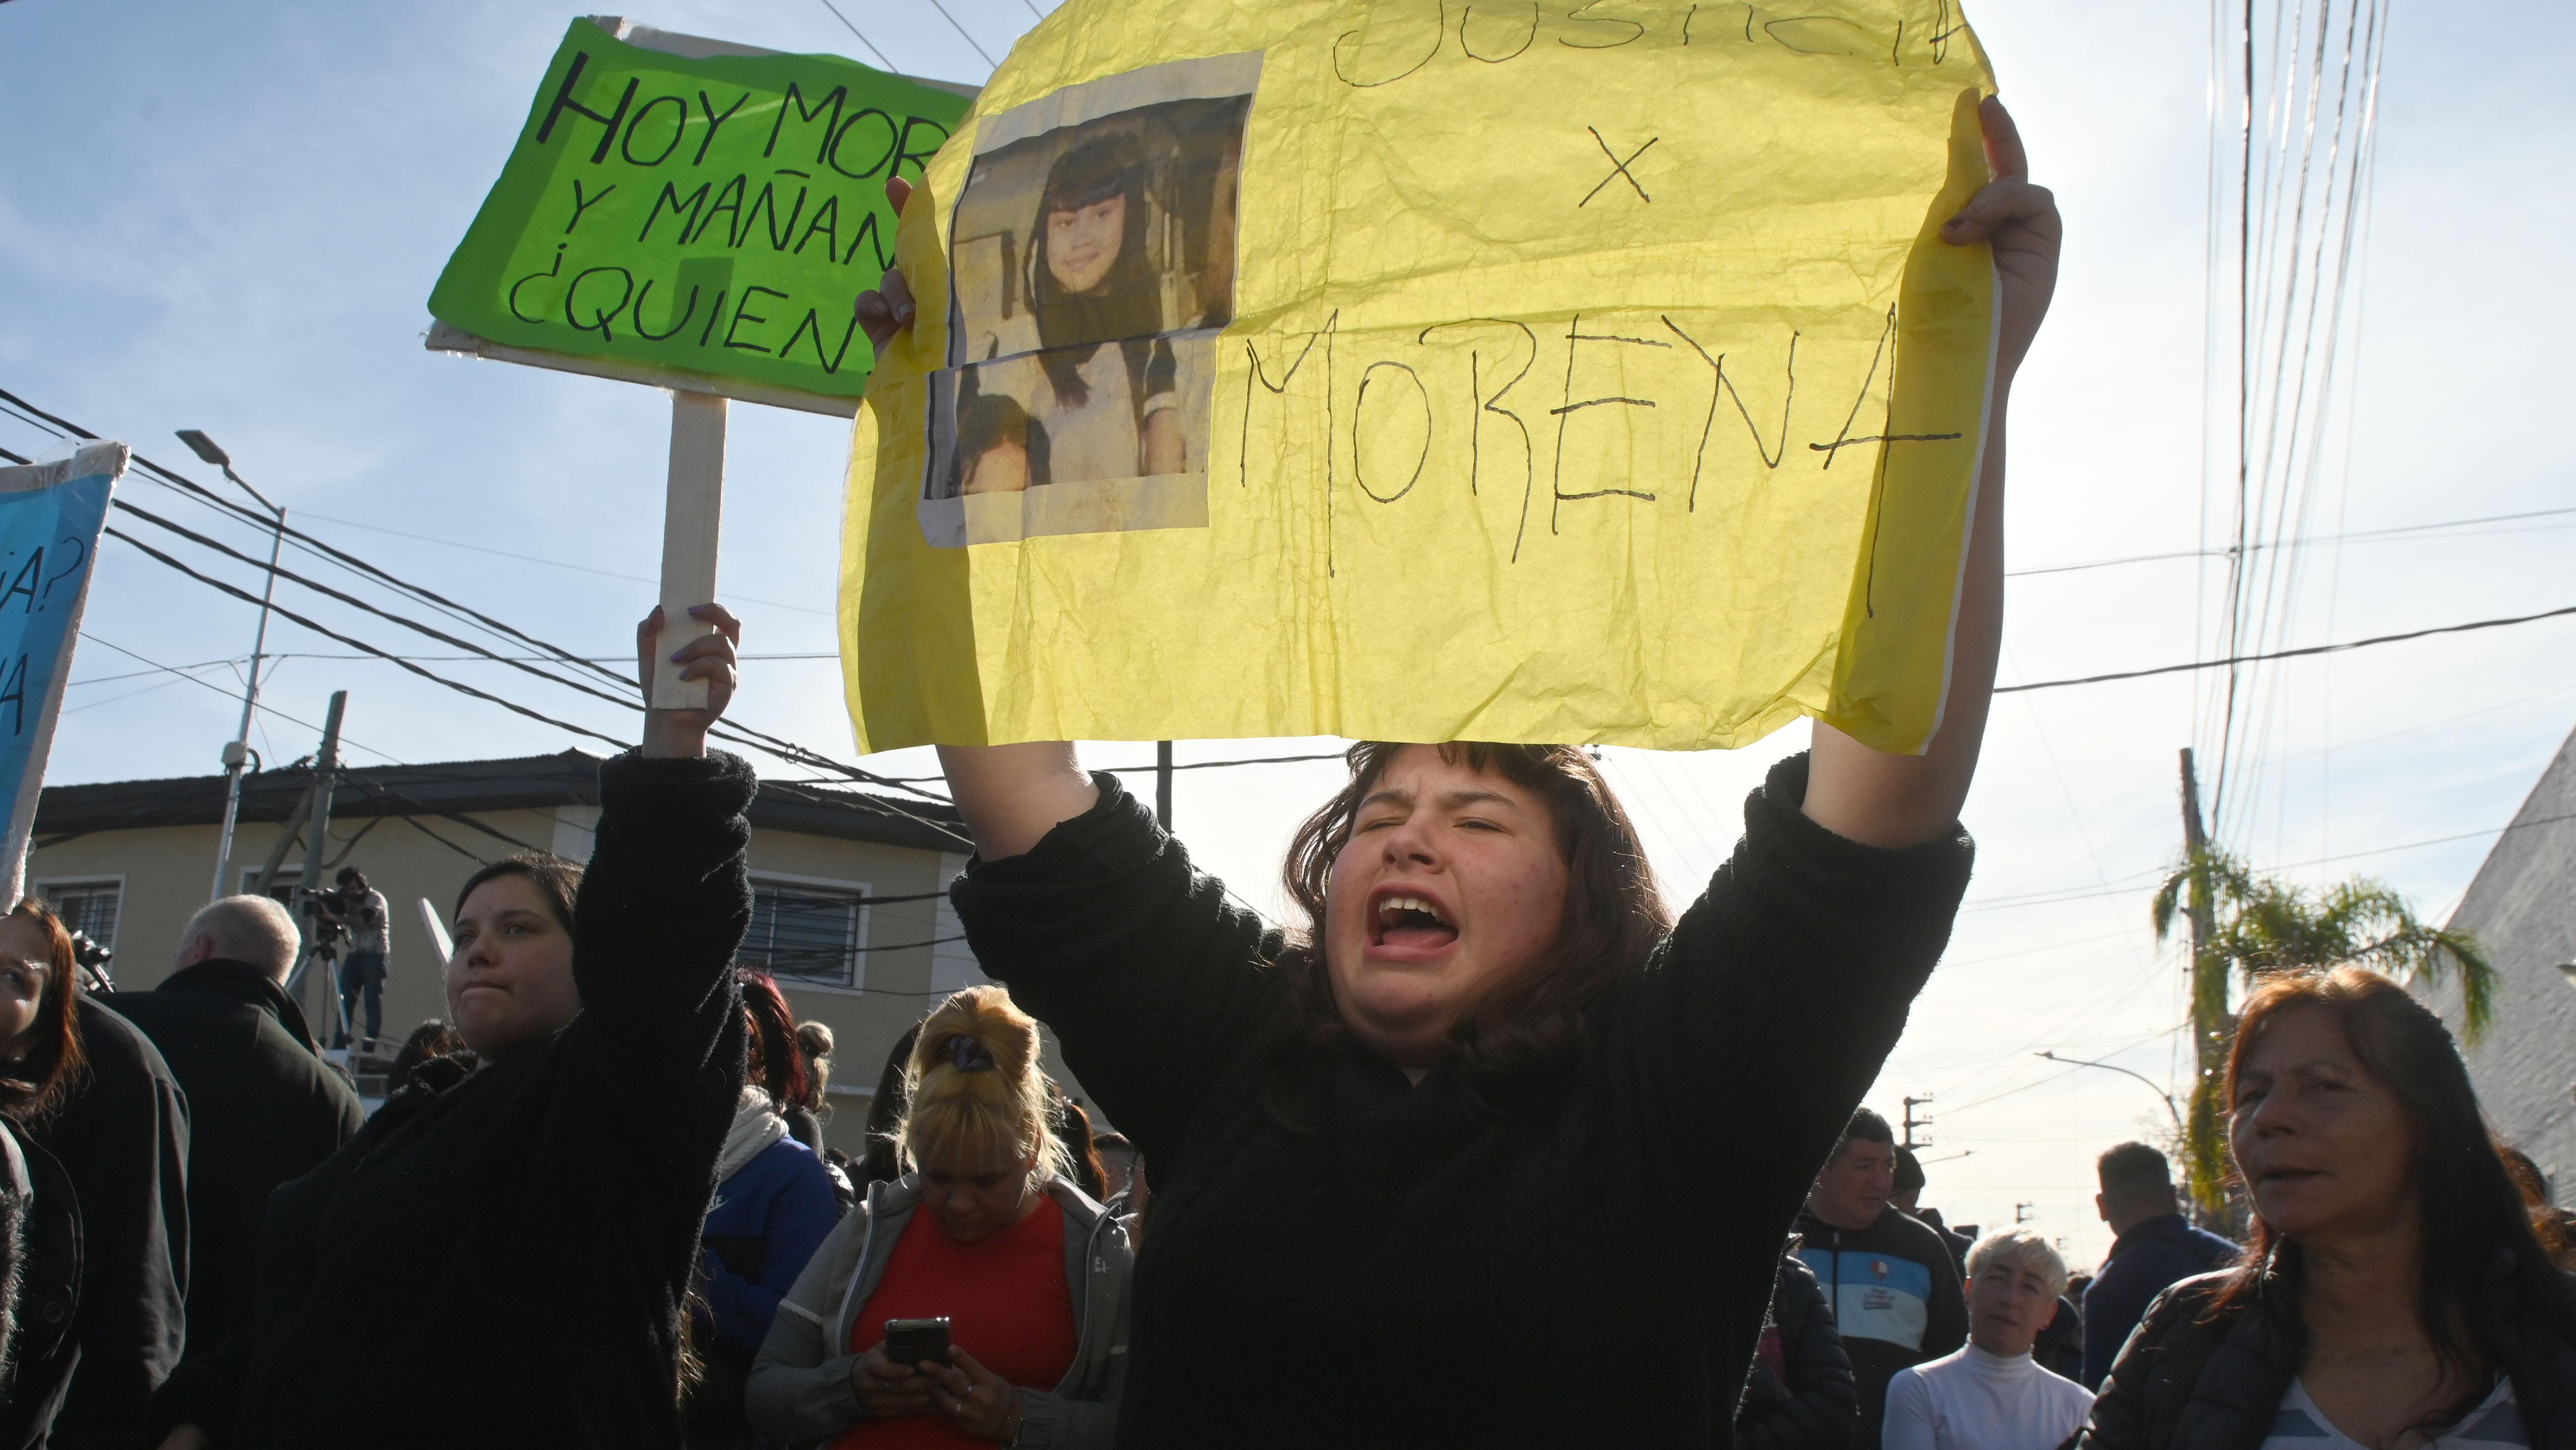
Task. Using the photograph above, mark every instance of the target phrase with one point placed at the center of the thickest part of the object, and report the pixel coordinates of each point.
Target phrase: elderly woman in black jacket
(2393, 1294)
(499, 1258)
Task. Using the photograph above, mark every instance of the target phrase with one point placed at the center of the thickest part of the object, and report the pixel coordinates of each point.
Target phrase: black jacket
(2154, 1253)
(501, 1262)
(2182, 1384)
(122, 1136)
(1816, 1407)
(40, 1264)
(262, 1109)
(1397, 1266)
(1895, 1299)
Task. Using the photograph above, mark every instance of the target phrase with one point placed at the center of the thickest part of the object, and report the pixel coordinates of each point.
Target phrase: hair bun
(977, 1095)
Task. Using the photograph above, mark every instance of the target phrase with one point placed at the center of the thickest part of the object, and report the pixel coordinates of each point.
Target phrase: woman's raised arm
(1867, 795)
(1011, 795)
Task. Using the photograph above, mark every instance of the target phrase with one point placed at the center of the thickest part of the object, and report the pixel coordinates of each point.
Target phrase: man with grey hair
(1990, 1394)
(263, 1105)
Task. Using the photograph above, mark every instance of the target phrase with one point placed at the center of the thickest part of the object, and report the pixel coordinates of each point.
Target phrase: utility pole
(326, 767)
(2211, 1027)
(1163, 784)
(317, 849)
(237, 750)
(317, 856)
(1912, 1122)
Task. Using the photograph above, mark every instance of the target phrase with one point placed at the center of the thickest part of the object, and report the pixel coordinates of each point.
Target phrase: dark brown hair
(777, 1065)
(556, 879)
(1073, 1129)
(1525, 1033)
(882, 1163)
(2134, 1173)
(34, 1086)
(2471, 1210)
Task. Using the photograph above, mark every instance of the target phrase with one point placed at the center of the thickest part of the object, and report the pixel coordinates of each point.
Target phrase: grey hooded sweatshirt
(800, 1388)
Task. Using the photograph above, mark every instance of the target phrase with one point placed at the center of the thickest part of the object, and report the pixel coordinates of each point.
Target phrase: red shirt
(1007, 1305)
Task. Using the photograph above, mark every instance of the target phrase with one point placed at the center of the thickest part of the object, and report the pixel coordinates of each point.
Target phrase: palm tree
(2259, 925)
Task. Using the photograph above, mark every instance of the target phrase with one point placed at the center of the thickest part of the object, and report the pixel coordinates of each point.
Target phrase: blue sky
(229, 218)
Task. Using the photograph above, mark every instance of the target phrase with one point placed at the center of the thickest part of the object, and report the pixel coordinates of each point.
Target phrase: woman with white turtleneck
(1991, 1395)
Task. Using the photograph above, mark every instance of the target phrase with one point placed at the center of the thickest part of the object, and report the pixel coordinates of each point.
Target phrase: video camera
(326, 934)
(92, 960)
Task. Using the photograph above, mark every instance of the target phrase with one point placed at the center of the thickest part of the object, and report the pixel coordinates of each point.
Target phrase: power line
(535, 559)
(2397, 531)
(2138, 879)
(2286, 654)
(730, 731)
(1341, 755)
(854, 30)
(356, 603)
(989, 62)
(227, 694)
(457, 685)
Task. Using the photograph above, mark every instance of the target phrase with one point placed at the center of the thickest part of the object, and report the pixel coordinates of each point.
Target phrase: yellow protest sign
(1428, 371)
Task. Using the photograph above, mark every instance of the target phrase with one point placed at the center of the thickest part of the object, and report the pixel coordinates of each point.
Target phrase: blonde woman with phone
(979, 1297)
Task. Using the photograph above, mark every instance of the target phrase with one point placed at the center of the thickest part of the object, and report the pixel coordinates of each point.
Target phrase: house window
(806, 935)
(87, 906)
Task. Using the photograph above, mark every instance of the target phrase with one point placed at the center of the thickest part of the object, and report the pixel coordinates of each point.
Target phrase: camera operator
(360, 911)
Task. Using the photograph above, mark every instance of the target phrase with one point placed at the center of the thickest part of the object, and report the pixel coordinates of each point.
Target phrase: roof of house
(457, 788)
(2522, 907)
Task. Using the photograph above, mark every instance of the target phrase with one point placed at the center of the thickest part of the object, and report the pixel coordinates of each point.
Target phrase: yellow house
(850, 912)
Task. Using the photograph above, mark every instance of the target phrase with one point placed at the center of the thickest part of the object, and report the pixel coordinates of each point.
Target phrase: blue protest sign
(50, 515)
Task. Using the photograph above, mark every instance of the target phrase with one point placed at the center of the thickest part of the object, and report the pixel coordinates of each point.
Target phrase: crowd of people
(1484, 1147)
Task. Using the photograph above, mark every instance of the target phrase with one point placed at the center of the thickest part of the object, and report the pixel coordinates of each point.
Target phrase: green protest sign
(687, 207)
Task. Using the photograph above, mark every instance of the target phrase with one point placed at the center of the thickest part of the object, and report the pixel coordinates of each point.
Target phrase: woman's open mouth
(1409, 921)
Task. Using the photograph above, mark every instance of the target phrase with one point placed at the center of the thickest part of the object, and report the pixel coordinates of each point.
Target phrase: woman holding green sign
(1488, 1150)
(500, 1256)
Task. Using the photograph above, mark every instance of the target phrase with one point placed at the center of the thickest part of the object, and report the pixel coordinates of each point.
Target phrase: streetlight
(237, 750)
(2113, 1067)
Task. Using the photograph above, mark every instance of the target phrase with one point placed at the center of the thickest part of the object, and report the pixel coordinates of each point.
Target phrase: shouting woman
(1488, 1150)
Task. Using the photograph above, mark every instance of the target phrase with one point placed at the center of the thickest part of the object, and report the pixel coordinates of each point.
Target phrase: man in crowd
(1897, 1297)
(2153, 1246)
(122, 1138)
(1991, 1395)
(362, 972)
(1909, 1197)
(263, 1107)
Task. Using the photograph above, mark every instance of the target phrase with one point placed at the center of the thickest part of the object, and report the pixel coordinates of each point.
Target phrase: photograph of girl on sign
(1091, 264)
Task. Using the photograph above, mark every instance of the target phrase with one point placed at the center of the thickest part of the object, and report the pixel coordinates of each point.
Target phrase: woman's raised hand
(1905, 800)
(2021, 220)
(678, 733)
(889, 1389)
(976, 1400)
(887, 309)
(1011, 795)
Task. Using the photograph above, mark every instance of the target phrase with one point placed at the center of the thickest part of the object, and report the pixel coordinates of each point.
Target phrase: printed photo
(1092, 262)
(1074, 440)
(1101, 213)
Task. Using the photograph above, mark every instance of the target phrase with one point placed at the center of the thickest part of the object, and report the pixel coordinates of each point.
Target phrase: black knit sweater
(1590, 1272)
(501, 1263)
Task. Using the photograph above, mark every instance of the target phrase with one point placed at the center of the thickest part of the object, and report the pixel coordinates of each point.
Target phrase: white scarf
(756, 1125)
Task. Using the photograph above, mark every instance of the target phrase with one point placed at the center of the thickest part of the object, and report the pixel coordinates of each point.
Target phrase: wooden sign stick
(691, 521)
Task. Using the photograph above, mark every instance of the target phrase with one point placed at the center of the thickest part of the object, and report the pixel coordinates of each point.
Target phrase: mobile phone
(914, 1341)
